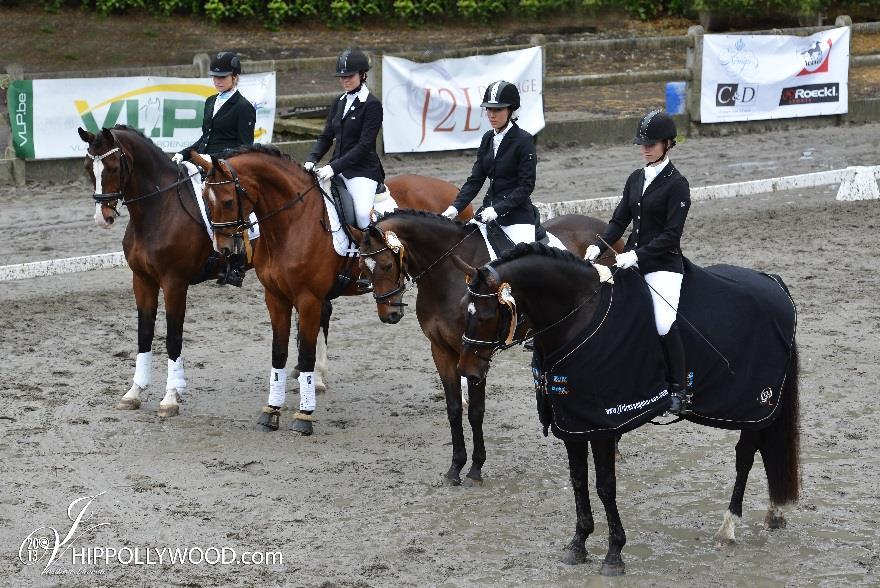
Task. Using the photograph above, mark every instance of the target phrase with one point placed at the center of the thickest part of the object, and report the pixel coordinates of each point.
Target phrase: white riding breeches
(665, 291)
(520, 233)
(363, 192)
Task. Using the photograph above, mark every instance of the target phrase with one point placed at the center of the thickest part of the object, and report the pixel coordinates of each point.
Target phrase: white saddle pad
(384, 203)
(553, 240)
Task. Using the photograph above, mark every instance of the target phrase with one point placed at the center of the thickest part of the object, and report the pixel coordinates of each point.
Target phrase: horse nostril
(109, 220)
(225, 251)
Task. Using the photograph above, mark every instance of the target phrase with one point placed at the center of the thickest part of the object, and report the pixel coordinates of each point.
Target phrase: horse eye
(227, 205)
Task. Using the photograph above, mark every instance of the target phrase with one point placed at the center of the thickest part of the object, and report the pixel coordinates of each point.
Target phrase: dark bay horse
(423, 247)
(166, 243)
(558, 293)
(296, 263)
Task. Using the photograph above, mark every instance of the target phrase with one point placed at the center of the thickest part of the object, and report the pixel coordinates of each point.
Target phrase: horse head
(108, 164)
(383, 258)
(229, 203)
(490, 318)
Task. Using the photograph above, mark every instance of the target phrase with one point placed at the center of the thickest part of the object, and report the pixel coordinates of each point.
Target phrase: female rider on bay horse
(228, 122)
(507, 157)
(660, 194)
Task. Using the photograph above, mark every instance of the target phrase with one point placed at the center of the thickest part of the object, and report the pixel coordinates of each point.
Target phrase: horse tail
(779, 443)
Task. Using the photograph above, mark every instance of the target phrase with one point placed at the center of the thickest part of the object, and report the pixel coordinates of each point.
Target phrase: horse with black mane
(589, 329)
(166, 243)
(422, 247)
(296, 262)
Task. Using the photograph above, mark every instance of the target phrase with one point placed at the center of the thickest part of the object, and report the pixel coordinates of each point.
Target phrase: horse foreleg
(309, 326)
(146, 294)
(606, 487)
(321, 358)
(175, 313)
(576, 551)
(445, 360)
(476, 410)
(280, 312)
(745, 458)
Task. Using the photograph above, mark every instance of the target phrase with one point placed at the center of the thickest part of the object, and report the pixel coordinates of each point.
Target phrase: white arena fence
(856, 183)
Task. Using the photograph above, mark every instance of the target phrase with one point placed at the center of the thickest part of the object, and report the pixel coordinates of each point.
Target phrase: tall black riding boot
(214, 266)
(677, 369)
(235, 270)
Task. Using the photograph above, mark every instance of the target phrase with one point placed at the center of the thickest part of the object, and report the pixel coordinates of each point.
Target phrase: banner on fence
(45, 114)
(753, 77)
(436, 106)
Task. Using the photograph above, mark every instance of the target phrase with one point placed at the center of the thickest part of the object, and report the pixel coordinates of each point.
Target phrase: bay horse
(296, 263)
(546, 285)
(166, 243)
(421, 246)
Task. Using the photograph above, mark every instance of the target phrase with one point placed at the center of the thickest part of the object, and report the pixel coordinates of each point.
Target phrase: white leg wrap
(307, 391)
(277, 387)
(464, 392)
(176, 378)
(143, 369)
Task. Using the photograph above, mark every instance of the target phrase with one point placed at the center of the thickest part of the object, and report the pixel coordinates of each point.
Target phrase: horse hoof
(128, 404)
(612, 569)
(170, 410)
(302, 424)
(470, 482)
(724, 542)
(269, 420)
(449, 480)
(774, 522)
(574, 557)
(320, 387)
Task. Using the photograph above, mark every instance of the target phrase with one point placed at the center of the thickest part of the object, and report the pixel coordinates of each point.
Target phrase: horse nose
(393, 317)
(226, 251)
(109, 220)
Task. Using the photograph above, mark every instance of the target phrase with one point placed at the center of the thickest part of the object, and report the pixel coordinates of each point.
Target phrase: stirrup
(680, 401)
(233, 276)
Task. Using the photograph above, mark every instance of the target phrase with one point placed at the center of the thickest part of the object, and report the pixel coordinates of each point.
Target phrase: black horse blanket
(612, 379)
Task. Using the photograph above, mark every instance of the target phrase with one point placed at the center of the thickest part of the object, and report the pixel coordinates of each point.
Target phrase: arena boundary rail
(856, 183)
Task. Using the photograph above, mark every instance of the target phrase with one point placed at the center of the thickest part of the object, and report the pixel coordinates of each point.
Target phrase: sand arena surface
(361, 503)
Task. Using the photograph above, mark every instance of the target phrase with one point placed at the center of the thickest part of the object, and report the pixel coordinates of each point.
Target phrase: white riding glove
(626, 259)
(450, 212)
(177, 158)
(488, 214)
(309, 166)
(325, 173)
(592, 253)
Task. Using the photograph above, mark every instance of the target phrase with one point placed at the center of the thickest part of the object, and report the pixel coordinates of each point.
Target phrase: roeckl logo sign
(815, 57)
(811, 94)
(734, 95)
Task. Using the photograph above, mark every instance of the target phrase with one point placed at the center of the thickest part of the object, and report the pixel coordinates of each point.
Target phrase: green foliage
(481, 10)
(415, 11)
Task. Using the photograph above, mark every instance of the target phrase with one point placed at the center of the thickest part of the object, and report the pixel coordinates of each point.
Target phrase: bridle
(110, 199)
(393, 244)
(507, 303)
(241, 223)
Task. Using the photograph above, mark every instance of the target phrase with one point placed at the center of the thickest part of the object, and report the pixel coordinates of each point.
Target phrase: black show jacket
(657, 217)
(354, 155)
(512, 173)
(232, 127)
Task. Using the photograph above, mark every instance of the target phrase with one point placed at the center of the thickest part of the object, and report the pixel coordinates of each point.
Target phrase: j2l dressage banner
(44, 114)
(436, 106)
(754, 77)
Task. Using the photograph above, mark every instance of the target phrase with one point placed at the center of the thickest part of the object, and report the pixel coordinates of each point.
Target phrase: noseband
(505, 300)
(393, 245)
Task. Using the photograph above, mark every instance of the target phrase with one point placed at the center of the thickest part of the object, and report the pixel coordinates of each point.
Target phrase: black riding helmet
(224, 64)
(351, 61)
(654, 127)
(501, 94)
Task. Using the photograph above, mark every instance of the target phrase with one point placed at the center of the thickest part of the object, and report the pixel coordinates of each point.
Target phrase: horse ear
(108, 136)
(85, 135)
(203, 162)
(469, 272)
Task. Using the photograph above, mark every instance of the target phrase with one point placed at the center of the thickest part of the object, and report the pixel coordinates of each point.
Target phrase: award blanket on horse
(749, 317)
(611, 379)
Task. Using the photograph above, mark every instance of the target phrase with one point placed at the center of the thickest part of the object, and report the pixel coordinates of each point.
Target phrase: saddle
(345, 203)
(500, 242)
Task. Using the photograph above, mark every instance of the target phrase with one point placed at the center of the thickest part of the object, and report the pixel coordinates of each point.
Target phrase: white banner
(436, 106)
(46, 113)
(753, 77)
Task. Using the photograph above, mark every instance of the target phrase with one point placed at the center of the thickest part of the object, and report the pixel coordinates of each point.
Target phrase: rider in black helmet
(354, 122)
(507, 157)
(656, 200)
(228, 122)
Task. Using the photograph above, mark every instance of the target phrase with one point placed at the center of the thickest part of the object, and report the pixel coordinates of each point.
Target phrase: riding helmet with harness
(351, 61)
(501, 94)
(225, 63)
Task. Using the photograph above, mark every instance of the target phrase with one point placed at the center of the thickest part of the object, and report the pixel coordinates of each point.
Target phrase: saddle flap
(343, 200)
